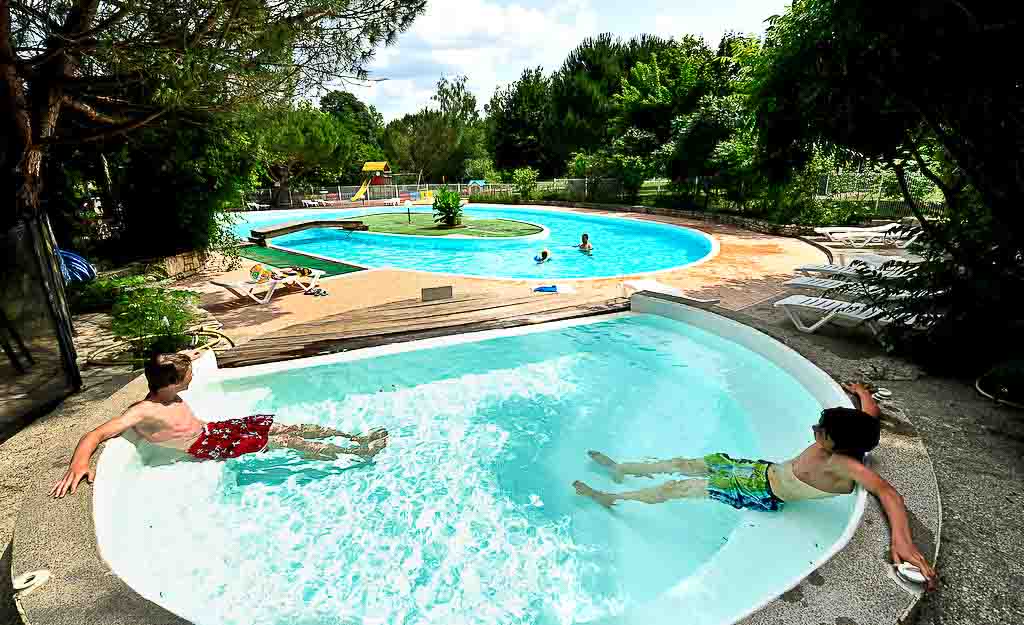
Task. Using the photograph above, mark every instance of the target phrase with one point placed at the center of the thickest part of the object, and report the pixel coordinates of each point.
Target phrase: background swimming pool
(621, 246)
(469, 516)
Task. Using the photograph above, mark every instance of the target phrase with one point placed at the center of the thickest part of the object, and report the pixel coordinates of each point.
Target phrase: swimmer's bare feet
(604, 499)
(369, 437)
(375, 447)
(605, 461)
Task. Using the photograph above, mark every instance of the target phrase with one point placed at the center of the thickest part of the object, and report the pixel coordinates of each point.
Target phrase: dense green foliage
(447, 208)
(155, 319)
(299, 144)
(438, 141)
(915, 87)
(525, 181)
(363, 126)
(82, 71)
(99, 295)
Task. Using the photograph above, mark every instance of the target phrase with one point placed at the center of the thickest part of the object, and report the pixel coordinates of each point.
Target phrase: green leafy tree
(481, 169)
(916, 83)
(176, 178)
(525, 181)
(437, 142)
(364, 124)
(583, 90)
(518, 119)
(85, 70)
(301, 145)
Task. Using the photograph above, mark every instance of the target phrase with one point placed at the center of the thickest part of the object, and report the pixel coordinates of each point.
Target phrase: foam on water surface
(469, 515)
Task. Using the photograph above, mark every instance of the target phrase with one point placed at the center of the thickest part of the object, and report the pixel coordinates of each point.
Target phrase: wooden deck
(411, 320)
(260, 235)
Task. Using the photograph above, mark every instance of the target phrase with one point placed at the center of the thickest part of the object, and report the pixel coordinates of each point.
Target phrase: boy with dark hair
(163, 418)
(832, 466)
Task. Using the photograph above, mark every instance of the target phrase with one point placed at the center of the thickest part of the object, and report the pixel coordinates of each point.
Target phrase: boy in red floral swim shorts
(163, 418)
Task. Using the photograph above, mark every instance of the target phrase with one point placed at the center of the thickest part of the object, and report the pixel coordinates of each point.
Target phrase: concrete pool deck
(851, 589)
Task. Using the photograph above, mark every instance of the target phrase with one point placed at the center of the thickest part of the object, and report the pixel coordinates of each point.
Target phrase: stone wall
(181, 265)
(747, 223)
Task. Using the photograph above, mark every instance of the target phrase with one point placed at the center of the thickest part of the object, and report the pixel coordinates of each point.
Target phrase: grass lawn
(423, 225)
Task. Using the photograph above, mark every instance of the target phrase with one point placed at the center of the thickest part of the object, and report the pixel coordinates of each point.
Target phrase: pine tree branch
(109, 132)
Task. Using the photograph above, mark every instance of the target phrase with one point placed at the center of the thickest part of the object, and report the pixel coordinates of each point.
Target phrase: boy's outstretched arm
(902, 548)
(79, 467)
(867, 401)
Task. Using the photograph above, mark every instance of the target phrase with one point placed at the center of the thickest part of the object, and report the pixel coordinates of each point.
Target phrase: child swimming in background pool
(543, 257)
(831, 467)
(585, 245)
(164, 419)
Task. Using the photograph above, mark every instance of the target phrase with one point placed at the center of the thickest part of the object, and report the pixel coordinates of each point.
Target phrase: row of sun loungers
(810, 313)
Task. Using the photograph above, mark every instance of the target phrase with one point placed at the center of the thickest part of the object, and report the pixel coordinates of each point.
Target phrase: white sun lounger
(830, 231)
(861, 239)
(853, 271)
(249, 288)
(821, 284)
(845, 314)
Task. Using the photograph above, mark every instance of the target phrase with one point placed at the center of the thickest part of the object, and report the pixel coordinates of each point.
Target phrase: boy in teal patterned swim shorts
(832, 466)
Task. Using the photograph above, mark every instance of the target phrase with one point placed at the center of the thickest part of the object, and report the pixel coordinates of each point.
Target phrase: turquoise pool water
(468, 516)
(621, 246)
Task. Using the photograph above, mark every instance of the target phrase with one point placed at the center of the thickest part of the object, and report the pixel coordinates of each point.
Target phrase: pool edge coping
(93, 584)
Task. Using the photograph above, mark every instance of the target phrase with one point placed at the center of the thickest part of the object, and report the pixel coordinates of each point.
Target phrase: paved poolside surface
(976, 446)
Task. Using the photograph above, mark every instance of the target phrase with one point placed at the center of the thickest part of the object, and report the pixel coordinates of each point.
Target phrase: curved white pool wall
(745, 574)
(745, 552)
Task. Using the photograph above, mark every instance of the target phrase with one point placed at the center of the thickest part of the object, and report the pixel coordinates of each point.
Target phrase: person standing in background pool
(832, 466)
(543, 257)
(585, 245)
(164, 419)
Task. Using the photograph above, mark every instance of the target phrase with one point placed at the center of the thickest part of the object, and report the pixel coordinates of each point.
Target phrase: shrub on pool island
(447, 208)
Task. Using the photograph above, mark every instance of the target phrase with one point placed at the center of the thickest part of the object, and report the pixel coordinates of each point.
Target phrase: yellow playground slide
(362, 191)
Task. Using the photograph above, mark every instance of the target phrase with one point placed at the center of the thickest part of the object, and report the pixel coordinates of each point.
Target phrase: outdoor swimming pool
(621, 246)
(468, 516)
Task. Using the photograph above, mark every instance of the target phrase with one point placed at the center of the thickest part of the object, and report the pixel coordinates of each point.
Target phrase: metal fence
(877, 194)
(571, 189)
(869, 194)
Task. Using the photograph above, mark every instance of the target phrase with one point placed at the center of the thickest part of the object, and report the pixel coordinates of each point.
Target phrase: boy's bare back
(169, 424)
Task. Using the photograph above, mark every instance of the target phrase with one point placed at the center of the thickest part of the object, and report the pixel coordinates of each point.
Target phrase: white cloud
(488, 42)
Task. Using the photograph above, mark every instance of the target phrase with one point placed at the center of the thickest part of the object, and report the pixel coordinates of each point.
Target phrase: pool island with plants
(424, 224)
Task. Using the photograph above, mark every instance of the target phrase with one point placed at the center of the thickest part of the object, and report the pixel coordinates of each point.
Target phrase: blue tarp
(74, 268)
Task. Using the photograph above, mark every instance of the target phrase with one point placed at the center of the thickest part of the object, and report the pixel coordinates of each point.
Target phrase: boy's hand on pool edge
(71, 479)
(907, 552)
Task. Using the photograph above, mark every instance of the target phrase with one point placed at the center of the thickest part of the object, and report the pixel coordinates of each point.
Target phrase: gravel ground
(977, 450)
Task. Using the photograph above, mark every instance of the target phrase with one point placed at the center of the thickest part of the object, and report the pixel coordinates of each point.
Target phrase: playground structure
(380, 175)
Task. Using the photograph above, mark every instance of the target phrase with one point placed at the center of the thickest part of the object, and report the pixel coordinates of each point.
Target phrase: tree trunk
(24, 123)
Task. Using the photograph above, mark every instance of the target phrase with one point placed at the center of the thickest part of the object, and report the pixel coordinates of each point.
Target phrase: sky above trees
(492, 41)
